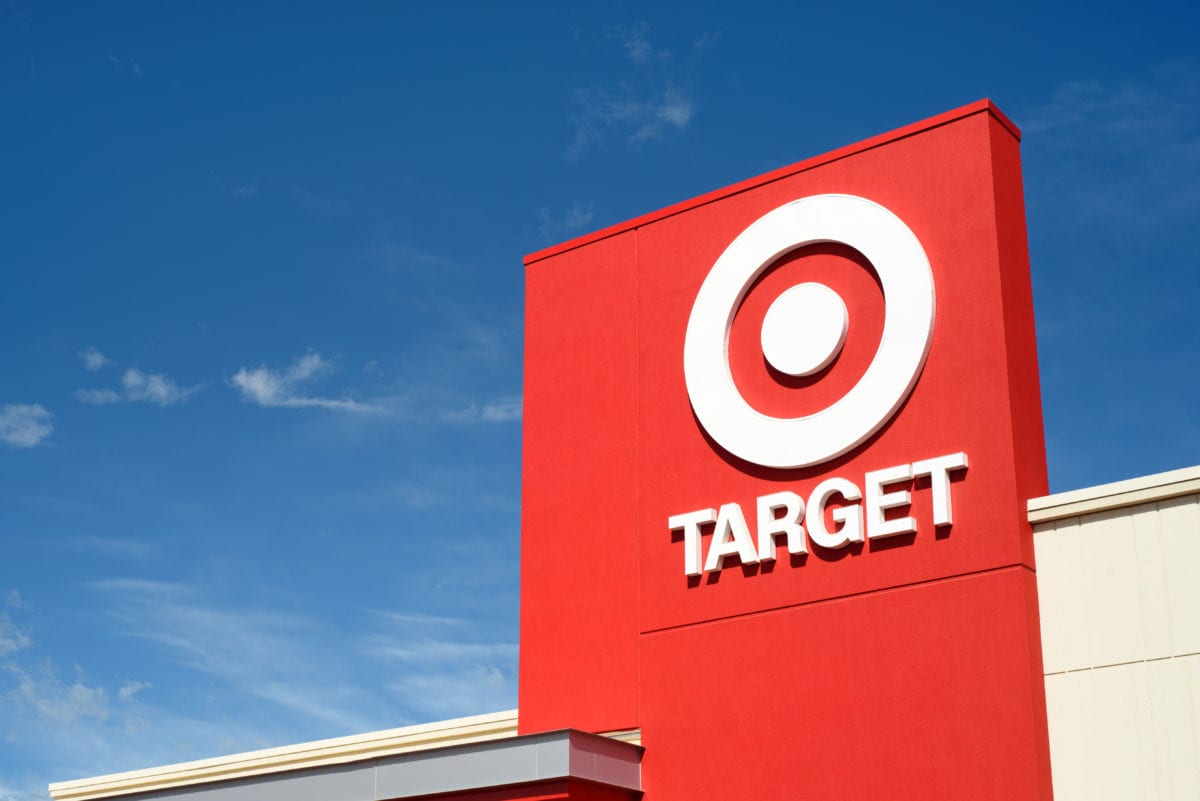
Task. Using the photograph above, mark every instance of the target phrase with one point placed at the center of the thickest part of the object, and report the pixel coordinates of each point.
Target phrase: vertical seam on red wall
(637, 479)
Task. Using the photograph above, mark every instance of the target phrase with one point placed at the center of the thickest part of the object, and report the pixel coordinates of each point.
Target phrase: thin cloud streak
(89, 729)
(108, 546)
(500, 411)
(267, 655)
(653, 105)
(1124, 154)
(283, 388)
(12, 638)
(155, 388)
(575, 219)
(635, 42)
(445, 671)
(286, 388)
(97, 397)
(600, 112)
(137, 386)
(42, 691)
(131, 688)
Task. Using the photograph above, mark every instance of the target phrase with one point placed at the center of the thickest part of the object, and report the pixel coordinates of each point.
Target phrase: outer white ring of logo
(903, 269)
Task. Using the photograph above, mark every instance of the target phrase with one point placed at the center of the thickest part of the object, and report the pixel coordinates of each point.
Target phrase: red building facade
(852, 669)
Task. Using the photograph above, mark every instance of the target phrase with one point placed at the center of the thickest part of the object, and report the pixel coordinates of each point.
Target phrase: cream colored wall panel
(1048, 549)
(1152, 581)
(1061, 598)
(1180, 716)
(1126, 731)
(1153, 757)
(1192, 664)
(1119, 591)
(1066, 714)
(1112, 733)
(1180, 521)
(1110, 584)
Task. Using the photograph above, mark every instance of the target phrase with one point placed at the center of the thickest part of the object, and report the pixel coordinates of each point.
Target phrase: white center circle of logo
(805, 328)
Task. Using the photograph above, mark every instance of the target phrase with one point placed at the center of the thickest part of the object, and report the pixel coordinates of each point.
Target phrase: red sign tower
(707, 389)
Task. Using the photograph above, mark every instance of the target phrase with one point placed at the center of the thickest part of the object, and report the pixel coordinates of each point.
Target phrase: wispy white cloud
(432, 652)
(1124, 153)
(285, 388)
(24, 425)
(132, 687)
(498, 411)
(124, 65)
(12, 639)
(424, 495)
(403, 257)
(454, 692)
(62, 702)
(97, 397)
(93, 359)
(291, 676)
(246, 190)
(552, 226)
(444, 669)
(272, 656)
(62, 725)
(320, 203)
(39, 687)
(654, 102)
(157, 388)
(706, 39)
(419, 619)
(460, 331)
(635, 41)
(10, 793)
(110, 546)
(600, 111)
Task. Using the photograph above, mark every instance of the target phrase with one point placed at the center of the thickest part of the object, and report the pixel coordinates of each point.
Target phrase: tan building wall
(1119, 591)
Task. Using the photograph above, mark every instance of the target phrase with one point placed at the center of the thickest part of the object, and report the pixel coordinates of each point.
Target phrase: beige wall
(1119, 592)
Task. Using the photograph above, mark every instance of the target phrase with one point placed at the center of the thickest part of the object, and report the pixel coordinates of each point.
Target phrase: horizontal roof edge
(389, 742)
(1120, 494)
(979, 106)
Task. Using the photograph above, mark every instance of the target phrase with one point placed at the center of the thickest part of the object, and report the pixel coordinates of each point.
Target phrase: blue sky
(262, 313)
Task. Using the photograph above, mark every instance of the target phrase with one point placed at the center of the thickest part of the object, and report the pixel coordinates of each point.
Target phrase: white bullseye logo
(805, 328)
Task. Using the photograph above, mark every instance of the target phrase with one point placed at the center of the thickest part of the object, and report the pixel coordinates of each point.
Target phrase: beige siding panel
(1066, 712)
(1180, 715)
(1062, 598)
(1047, 543)
(1126, 732)
(1119, 591)
(1180, 522)
(1113, 768)
(1154, 759)
(1193, 666)
(1110, 585)
(1152, 581)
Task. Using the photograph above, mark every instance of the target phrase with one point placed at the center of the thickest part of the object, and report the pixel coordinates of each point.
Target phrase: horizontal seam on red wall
(836, 598)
